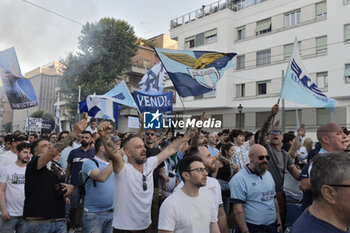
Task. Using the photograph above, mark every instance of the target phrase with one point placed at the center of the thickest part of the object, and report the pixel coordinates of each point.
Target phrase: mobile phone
(85, 115)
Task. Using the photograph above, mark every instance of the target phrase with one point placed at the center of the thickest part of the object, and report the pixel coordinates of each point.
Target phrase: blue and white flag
(194, 73)
(153, 81)
(122, 95)
(98, 113)
(152, 103)
(298, 87)
(18, 89)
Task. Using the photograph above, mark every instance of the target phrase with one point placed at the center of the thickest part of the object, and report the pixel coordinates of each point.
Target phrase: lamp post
(240, 107)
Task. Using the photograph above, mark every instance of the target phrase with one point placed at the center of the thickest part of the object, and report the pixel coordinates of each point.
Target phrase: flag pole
(273, 118)
(283, 108)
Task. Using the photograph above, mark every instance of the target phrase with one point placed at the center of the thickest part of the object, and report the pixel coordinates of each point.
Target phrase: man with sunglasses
(134, 180)
(253, 193)
(280, 159)
(330, 185)
(190, 209)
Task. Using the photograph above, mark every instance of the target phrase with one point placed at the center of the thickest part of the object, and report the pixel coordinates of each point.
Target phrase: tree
(106, 49)
(7, 127)
(42, 114)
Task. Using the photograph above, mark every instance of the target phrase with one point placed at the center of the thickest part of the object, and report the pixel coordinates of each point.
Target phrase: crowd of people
(94, 180)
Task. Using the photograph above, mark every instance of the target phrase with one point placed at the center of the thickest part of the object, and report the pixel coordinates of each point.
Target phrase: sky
(41, 37)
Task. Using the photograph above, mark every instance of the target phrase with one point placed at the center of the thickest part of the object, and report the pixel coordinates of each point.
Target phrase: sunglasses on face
(273, 132)
(150, 134)
(262, 157)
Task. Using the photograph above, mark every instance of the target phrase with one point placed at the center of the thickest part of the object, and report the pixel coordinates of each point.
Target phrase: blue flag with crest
(194, 73)
(298, 87)
(18, 89)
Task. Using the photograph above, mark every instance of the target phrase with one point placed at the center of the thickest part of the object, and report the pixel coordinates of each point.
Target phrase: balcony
(234, 5)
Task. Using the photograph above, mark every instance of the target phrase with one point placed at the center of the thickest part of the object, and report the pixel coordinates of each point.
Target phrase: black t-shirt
(41, 197)
(154, 152)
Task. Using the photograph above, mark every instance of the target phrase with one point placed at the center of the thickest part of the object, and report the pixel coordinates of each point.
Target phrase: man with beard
(74, 163)
(134, 180)
(45, 188)
(280, 159)
(190, 209)
(212, 186)
(12, 179)
(99, 186)
(253, 193)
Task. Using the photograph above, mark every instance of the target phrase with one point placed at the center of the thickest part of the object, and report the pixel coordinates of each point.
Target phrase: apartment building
(262, 33)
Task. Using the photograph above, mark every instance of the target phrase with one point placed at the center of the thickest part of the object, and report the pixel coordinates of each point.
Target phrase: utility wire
(62, 16)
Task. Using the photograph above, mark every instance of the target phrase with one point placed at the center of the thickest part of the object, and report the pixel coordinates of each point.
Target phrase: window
(190, 42)
(346, 1)
(322, 80)
(260, 118)
(146, 64)
(219, 117)
(288, 49)
(263, 26)
(321, 44)
(347, 73)
(321, 9)
(240, 90)
(292, 18)
(347, 32)
(263, 57)
(323, 116)
(240, 62)
(262, 87)
(291, 118)
(241, 33)
(240, 123)
(210, 36)
(201, 39)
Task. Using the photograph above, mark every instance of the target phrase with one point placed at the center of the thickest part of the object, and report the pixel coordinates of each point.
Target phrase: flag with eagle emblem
(194, 73)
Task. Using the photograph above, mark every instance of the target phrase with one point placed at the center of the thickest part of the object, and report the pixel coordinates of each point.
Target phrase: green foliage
(106, 49)
(7, 127)
(42, 114)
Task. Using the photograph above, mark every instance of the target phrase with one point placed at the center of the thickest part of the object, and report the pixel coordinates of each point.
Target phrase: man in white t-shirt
(190, 209)
(212, 186)
(12, 178)
(10, 156)
(134, 180)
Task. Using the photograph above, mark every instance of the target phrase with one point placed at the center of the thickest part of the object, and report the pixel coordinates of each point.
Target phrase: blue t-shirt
(310, 224)
(76, 158)
(100, 197)
(213, 151)
(257, 194)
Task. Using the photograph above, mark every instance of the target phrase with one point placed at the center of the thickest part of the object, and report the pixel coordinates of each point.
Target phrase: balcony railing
(234, 5)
